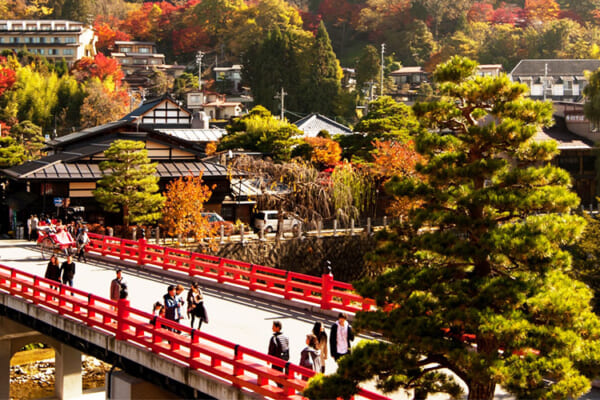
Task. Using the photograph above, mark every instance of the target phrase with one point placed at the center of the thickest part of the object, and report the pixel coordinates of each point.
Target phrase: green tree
(586, 258)
(386, 120)
(368, 67)
(322, 92)
(130, 183)
(591, 108)
(29, 135)
(11, 152)
(259, 131)
(476, 280)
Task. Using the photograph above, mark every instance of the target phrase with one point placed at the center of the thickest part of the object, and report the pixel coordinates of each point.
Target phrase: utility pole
(545, 80)
(281, 95)
(199, 56)
(382, 62)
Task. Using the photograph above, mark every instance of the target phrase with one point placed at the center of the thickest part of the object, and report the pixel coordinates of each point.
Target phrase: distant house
(71, 170)
(230, 77)
(314, 123)
(554, 79)
(54, 39)
(139, 60)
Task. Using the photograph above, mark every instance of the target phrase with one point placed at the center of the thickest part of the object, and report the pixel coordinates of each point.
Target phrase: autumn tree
(477, 279)
(101, 105)
(130, 183)
(322, 152)
(8, 77)
(184, 203)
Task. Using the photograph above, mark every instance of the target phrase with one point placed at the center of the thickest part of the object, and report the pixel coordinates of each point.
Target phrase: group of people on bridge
(315, 353)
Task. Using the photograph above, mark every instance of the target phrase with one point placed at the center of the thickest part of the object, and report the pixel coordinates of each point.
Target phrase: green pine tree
(11, 152)
(130, 183)
(477, 278)
(30, 137)
(323, 90)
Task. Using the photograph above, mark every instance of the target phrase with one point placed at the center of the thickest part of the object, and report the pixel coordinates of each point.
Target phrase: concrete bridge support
(13, 336)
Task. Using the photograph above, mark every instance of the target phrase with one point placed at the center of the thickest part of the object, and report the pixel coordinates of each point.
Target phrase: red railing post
(61, 298)
(36, 290)
(122, 316)
(103, 250)
(13, 281)
(252, 286)
(326, 288)
(141, 251)
(289, 374)
(91, 314)
(220, 272)
(237, 370)
(287, 289)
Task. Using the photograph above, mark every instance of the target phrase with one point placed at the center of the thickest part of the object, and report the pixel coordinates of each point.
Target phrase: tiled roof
(555, 67)
(312, 124)
(91, 171)
(566, 140)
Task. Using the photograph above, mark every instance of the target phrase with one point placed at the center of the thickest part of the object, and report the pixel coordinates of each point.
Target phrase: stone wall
(307, 255)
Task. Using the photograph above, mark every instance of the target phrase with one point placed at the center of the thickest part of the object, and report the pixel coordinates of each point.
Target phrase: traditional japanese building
(71, 168)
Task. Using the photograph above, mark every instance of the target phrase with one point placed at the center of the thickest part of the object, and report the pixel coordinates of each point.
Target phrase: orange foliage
(182, 212)
(107, 34)
(395, 158)
(326, 152)
(100, 67)
(211, 148)
(541, 10)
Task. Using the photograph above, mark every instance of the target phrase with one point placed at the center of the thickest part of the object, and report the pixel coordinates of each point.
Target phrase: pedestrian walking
(82, 241)
(53, 270)
(115, 286)
(29, 222)
(341, 336)
(319, 332)
(180, 302)
(68, 271)
(171, 304)
(195, 301)
(158, 311)
(34, 228)
(310, 356)
(279, 345)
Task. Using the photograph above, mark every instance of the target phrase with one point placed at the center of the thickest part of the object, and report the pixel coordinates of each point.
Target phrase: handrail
(235, 364)
(324, 292)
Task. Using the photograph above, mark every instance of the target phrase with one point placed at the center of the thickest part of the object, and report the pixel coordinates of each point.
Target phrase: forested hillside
(416, 32)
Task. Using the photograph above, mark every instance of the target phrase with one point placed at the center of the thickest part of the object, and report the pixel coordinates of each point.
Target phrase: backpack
(123, 293)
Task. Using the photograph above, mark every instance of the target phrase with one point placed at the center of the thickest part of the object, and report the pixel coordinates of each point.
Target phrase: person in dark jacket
(53, 270)
(68, 271)
(279, 345)
(171, 304)
(340, 337)
(310, 357)
(195, 301)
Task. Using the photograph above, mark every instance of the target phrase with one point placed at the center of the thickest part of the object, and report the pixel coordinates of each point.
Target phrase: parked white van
(269, 219)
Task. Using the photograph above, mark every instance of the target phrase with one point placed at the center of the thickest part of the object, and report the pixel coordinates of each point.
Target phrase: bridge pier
(13, 336)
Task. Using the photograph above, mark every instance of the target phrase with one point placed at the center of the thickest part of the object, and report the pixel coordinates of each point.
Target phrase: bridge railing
(324, 292)
(229, 362)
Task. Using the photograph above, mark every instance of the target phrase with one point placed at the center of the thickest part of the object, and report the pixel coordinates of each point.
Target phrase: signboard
(58, 202)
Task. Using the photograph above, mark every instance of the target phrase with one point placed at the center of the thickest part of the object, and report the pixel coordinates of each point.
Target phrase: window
(46, 27)
(68, 52)
(125, 49)
(568, 85)
(70, 39)
(32, 27)
(3, 27)
(42, 40)
(55, 40)
(52, 52)
(17, 27)
(140, 61)
(144, 50)
(1, 40)
(13, 40)
(60, 27)
(41, 52)
(154, 62)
